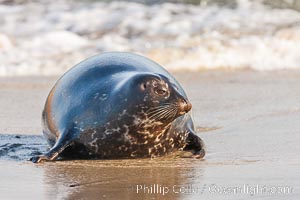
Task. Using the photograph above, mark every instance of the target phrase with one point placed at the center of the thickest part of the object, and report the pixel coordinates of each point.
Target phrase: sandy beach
(248, 120)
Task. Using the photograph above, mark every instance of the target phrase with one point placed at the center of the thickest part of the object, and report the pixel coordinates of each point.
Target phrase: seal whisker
(165, 111)
(159, 107)
(161, 116)
(164, 114)
(156, 110)
(174, 112)
(156, 115)
(170, 114)
(162, 106)
(167, 114)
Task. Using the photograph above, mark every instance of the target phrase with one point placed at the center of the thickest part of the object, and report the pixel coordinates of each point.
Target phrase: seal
(118, 105)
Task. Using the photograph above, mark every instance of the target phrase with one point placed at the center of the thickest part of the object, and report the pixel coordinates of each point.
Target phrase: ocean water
(46, 38)
(21, 147)
(291, 4)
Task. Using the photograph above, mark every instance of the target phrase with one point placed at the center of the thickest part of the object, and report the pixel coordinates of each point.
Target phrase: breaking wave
(47, 38)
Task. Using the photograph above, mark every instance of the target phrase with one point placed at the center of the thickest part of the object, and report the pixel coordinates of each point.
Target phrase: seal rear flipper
(64, 141)
(195, 145)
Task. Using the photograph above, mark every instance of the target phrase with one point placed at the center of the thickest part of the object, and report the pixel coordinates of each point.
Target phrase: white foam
(53, 37)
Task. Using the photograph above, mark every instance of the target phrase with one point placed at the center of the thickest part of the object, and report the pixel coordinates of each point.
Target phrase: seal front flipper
(194, 145)
(61, 144)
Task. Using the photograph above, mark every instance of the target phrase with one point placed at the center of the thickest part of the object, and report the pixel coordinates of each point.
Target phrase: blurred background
(44, 37)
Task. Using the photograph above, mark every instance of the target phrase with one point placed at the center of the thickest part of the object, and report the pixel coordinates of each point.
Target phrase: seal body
(118, 105)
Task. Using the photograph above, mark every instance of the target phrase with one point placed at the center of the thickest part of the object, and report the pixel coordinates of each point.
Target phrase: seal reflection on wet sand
(118, 105)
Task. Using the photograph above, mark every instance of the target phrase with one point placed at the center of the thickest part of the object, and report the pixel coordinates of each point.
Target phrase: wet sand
(248, 120)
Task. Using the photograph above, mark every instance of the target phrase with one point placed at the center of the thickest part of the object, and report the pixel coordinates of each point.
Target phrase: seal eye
(160, 91)
(143, 86)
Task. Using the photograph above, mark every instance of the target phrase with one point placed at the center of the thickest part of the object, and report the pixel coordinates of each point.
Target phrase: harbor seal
(118, 105)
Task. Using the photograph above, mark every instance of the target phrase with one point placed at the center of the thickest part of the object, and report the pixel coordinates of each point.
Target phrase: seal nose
(185, 106)
(188, 107)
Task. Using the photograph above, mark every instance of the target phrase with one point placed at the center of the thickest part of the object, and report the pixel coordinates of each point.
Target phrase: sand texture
(248, 120)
